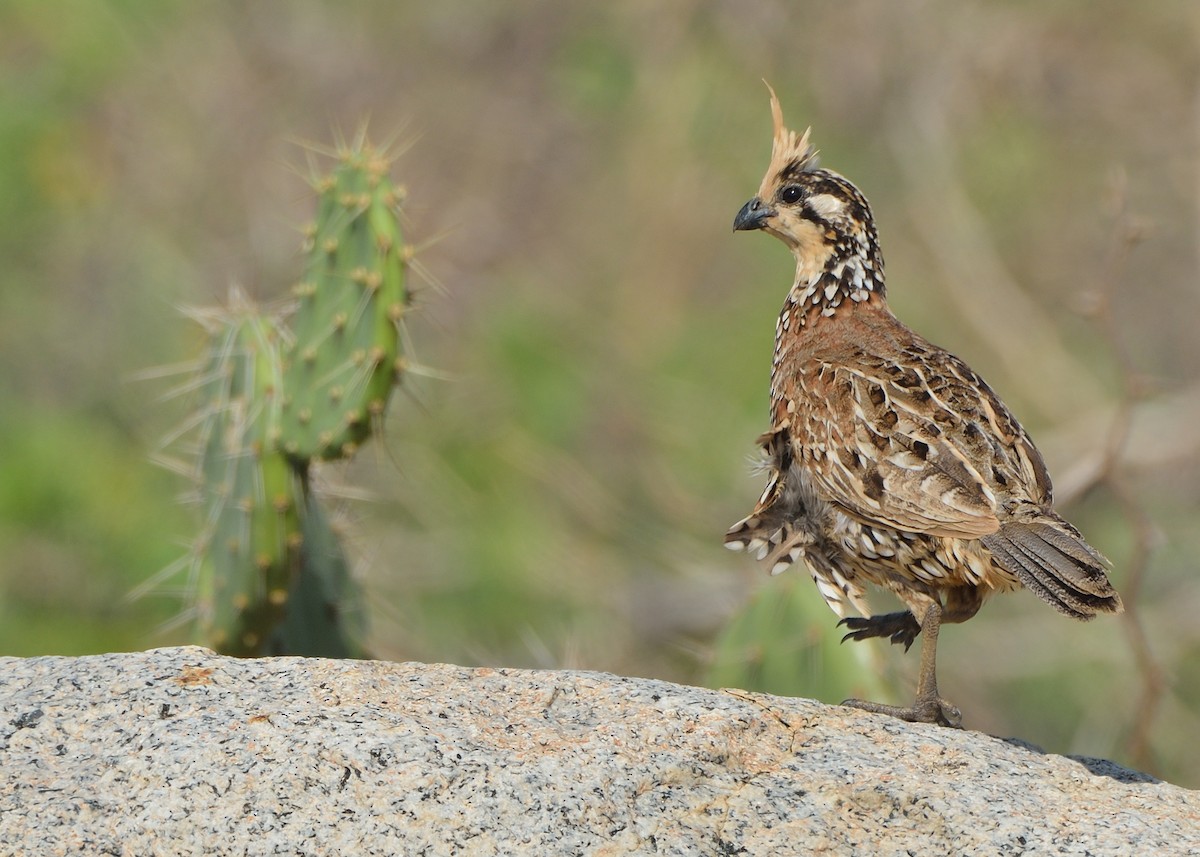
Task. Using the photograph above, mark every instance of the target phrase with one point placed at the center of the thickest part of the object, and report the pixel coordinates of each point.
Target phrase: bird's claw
(933, 709)
(899, 628)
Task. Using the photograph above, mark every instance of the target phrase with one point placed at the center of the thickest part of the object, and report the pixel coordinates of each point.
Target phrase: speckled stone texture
(180, 751)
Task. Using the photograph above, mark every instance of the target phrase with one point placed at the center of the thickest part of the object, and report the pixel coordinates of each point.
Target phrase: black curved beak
(752, 216)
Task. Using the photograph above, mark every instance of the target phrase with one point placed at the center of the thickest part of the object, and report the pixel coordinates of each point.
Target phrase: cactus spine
(279, 393)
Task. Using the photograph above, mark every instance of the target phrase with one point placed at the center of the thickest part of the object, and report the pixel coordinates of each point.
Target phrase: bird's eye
(791, 194)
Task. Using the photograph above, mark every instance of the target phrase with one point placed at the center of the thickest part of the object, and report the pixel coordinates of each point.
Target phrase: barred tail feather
(763, 535)
(1056, 565)
(747, 535)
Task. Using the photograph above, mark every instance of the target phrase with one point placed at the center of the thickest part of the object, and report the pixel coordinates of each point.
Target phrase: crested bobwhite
(890, 461)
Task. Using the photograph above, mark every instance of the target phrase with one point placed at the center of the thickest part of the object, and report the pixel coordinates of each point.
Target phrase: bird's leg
(928, 707)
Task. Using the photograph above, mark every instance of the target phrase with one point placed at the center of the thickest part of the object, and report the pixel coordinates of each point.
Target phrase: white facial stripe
(827, 206)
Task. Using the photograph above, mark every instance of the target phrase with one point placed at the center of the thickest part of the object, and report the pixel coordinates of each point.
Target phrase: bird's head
(823, 219)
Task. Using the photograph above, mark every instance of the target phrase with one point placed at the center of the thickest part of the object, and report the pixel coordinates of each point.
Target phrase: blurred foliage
(596, 371)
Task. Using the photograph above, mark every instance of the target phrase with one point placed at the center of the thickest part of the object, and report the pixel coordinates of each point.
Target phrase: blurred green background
(553, 491)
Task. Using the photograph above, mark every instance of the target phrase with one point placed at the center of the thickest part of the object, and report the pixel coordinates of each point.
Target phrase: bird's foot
(901, 627)
(930, 709)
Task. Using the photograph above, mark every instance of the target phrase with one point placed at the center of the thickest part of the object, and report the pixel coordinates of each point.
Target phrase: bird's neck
(850, 274)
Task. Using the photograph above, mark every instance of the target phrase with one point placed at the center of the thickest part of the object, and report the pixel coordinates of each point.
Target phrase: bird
(889, 461)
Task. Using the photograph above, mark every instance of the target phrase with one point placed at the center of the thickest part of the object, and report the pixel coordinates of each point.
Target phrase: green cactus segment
(344, 359)
(325, 615)
(785, 641)
(251, 545)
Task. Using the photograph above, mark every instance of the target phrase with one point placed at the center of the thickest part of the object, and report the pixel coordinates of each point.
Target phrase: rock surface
(181, 751)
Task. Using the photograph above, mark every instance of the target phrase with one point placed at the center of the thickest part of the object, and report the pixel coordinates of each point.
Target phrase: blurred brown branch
(1127, 232)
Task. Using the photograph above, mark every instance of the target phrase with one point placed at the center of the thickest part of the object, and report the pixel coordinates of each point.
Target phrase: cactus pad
(341, 366)
(250, 545)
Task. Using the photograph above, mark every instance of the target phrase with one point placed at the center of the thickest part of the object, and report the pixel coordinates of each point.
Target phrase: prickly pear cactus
(282, 392)
(345, 356)
(250, 550)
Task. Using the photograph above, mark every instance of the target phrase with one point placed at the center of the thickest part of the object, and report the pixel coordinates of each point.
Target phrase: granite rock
(182, 751)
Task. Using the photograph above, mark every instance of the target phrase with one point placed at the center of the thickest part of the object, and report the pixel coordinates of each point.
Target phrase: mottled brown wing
(917, 443)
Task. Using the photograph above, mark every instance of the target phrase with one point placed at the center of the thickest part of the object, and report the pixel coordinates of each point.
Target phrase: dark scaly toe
(932, 710)
(901, 627)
